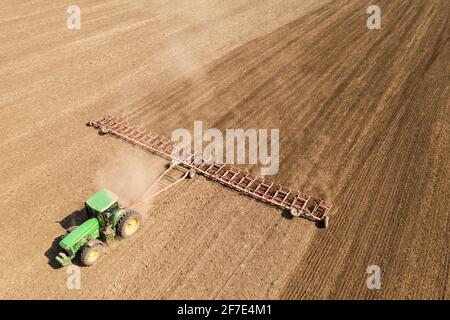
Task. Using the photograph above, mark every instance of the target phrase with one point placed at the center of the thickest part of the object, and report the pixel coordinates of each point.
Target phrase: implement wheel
(325, 221)
(191, 173)
(129, 224)
(104, 130)
(90, 254)
(295, 212)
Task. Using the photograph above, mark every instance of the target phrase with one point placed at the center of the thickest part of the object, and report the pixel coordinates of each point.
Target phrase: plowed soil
(363, 118)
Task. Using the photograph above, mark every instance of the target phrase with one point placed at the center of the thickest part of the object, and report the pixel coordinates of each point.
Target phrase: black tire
(191, 173)
(129, 224)
(91, 253)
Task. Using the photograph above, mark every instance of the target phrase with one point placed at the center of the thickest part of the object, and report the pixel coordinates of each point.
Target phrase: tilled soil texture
(363, 119)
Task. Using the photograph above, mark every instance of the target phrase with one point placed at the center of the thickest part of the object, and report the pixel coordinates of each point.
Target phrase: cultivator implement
(237, 179)
(168, 179)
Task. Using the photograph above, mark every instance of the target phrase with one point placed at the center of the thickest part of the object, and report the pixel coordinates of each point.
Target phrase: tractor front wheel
(129, 224)
(91, 253)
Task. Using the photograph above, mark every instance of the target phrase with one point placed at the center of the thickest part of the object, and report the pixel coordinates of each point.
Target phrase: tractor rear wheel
(91, 253)
(129, 224)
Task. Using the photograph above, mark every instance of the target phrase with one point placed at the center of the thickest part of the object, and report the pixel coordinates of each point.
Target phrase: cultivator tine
(117, 125)
(107, 120)
(264, 195)
(305, 203)
(127, 130)
(209, 168)
(242, 179)
(189, 159)
(195, 158)
(251, 183)
(228, 175)
(153, 140)
(222, 166)
(321, 209)
(167, 146)
(140, 134)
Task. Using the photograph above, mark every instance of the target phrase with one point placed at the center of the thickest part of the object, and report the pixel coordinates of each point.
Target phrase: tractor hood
(85, 230)
(102, 200)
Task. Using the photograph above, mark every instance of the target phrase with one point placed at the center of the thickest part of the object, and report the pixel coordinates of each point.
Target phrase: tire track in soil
(394, 156)
(345, 89)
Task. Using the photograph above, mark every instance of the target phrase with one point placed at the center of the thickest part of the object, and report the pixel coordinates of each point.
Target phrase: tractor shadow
(74, 219)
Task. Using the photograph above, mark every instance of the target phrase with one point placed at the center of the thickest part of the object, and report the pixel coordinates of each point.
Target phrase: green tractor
(106, 220)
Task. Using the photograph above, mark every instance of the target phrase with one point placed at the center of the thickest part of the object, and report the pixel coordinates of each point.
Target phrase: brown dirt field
(363, 118)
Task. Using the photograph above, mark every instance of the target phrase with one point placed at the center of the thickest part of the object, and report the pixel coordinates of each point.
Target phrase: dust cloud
(129, 175)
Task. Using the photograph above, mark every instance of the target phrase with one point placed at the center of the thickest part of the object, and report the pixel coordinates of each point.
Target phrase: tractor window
(89, 211)
(108, 213)
(113, 208)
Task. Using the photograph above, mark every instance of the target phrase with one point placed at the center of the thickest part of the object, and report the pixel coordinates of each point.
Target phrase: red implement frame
(240, 180)
(168, 179)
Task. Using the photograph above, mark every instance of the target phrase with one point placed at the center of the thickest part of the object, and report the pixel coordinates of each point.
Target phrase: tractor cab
(102, 205)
